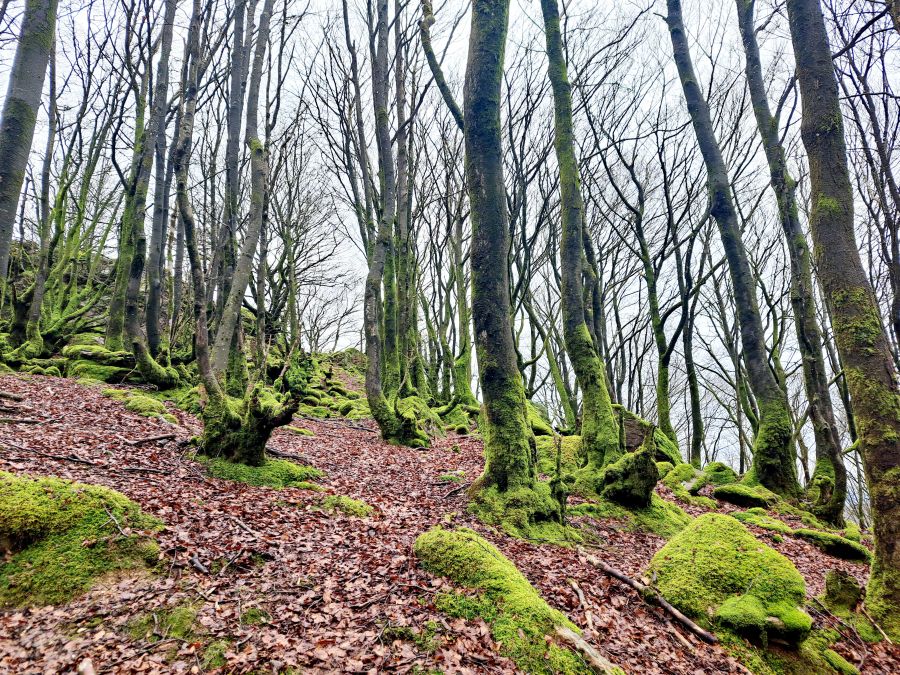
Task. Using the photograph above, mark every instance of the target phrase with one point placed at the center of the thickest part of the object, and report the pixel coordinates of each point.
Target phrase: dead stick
(62, 458)
(15, 420)
(578, 591)
(455, 490)
(11, 396)
(115, 520)
(197, 565)
(141, 469)
(648, 593)
(243, 526)
(596, 660)
(151, 439)
(872, 621)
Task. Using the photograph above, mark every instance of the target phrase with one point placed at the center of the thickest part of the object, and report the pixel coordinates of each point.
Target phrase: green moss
(524, 512)
(61, 537)
(835, 545)
(96, 372)
(300, 431)
(629, 480)
(682, 480)
(520, 620)
(570, 447)
(213, 655)
(427, 639)
(839, 663)
(745, 495)
(852, 532)
(540, 425)
(175, 622)
(275, 473)
(346, 505)
(842, 596)
(144, 405)
(664, 468)
(714, 560)
(661, 517)
(452, 477)
(254, 616)
(717, 473)
(760, 518)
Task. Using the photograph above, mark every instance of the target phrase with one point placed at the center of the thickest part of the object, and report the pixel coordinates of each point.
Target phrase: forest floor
(277, 582)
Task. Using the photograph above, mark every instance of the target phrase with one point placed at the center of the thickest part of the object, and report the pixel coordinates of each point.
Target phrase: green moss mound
(758, 517)
(346, 505)
(61, 536)
(520, 619)
(740, 494)
(524, 512)
(274, 473)
(570, 447)
(168, 622)
(715, 563)
(629, 480)
(835, 545)
(682, 480)
(842, 597)
(661, 517)
(538, 419)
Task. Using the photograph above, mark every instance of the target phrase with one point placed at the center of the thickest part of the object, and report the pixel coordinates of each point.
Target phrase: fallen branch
(651, 594)
(594, 658)
(22, 420)
(11, 396)
(61, 458)
(578, 592)
(151, 439)
(237, 521)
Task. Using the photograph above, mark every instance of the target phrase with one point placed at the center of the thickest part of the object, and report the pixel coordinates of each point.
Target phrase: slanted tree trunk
(508, 457)
(859, 334)
(599, 428)
(773, 457)
(829, 480)
(20, 108)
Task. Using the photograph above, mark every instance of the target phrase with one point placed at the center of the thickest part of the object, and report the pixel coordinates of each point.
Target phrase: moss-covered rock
(520, 620)
(682, 480)
(524, 512)
(740, 494)
(61, 536)
(842, 590)
(97, 372)
(717, 473)
(144, 405)
(715, 562)
(537, 418)
(275, 473)
(629, 480)
(661, 517)
(835, 545)
(758, 517)
(346, 505)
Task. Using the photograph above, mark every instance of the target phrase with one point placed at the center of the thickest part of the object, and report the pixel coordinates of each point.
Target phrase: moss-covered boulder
(60, 536)
(715, 567)
(539, 420)
(717, 473)
(740, 494)
(842, 590)
(835, 545)
(629, 480)
(520, 620)
(758, 517)
(637, 431)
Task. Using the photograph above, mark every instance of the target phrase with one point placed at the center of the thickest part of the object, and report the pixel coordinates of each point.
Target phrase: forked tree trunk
(861, 340)
(773, 457)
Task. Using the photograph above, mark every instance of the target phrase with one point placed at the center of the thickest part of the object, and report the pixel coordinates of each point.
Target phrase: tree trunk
(773, 457)
(508, 459)
(23, 97)
(599, 428)
(860, 336)
(830, 475)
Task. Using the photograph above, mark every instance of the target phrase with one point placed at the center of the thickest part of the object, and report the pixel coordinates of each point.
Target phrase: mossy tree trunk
(599, 429)
(773, 457)
(23, 97)
(508, 457)
(830, 473)
(860, 336)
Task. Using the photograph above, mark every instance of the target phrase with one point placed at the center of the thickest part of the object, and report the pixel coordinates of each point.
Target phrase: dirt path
(332, 586)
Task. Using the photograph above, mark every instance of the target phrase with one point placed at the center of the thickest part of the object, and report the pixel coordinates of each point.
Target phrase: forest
(450, 336)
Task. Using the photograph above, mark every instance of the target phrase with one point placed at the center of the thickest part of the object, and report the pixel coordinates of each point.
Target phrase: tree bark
(773, 458)
(861, 340)
(20, 108)
(829, 480)
(599, 428)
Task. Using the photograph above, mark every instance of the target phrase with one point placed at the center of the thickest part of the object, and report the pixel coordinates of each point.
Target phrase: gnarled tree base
(239, 429)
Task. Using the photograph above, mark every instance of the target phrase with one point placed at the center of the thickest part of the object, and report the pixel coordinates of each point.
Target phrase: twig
(648, 593)
(151, 439)
(457, 489)
(11, 396)
(597, 661)
(23, 420)
(142, 469)
(237, 521)
(62, 458)
(229, 561)
(113, 518)
(872, 621)
(683, 640)
(578, 592)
